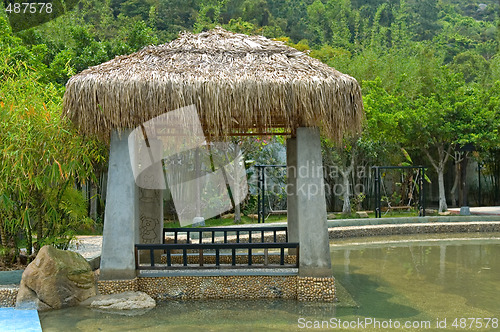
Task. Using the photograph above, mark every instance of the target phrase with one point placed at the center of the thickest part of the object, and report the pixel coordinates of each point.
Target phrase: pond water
(420, 281)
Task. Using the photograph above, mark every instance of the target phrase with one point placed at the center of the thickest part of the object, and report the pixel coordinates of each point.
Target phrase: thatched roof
(237, 83)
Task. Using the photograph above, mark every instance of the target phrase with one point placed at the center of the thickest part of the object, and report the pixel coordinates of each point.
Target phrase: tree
(209, 15)
(471, 65)
(136, 8)
(425, 18)
(453, 115)
(41, 157)
(174, 16)
(318, 23)
(426, 123)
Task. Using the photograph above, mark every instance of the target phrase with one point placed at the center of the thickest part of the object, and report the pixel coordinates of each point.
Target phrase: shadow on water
(213, 315)
(374, 302)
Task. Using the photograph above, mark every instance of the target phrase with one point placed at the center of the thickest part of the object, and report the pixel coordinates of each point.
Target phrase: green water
(421, 280)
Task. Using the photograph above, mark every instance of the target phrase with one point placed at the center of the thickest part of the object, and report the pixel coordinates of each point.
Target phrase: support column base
(315, 272)
(112, 274)
(316, 289)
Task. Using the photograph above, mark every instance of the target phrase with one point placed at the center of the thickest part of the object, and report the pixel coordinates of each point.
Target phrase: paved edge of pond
(386, 221)
(341, 232)
(411, 220)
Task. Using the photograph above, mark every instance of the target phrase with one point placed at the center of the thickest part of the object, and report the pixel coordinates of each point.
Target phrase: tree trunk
(93, 200)
(439, 167)
(442, 196)
(28, 232)
(453, 191)
(237, 214)
(9, 256)
(39, 234)
(3, 234)
(39, 222)
(346, 208)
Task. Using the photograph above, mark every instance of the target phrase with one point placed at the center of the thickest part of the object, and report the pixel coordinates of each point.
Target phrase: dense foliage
(41, 156)
(429, 69)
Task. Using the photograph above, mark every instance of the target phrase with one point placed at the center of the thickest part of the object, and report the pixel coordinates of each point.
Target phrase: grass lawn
(391, 214)
(282, 218)
(247, 220)
(229, 221)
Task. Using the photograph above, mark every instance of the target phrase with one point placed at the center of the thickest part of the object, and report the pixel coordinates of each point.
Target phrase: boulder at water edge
(56, 279)
(125, 303)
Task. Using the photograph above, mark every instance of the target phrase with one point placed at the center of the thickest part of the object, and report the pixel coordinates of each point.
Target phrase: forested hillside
(461, 34)
(429, 70)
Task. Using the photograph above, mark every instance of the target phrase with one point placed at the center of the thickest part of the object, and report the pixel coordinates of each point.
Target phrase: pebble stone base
(226, 259)
(8, 296)
(106, 287)
(227, 287)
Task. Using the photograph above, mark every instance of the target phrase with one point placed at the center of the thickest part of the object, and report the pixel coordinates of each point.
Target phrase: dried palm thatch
(238, 83)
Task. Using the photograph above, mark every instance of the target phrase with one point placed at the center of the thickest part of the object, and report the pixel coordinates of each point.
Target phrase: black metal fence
(237, 232)
(213, 247)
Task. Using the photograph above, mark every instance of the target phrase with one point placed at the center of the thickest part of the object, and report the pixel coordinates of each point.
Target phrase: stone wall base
(216, 287)
(226, 259)
(226, 287)
(8, 296)
(107, 287)
(310, 289)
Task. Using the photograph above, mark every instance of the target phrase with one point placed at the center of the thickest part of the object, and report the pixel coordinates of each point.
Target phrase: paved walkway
(483, 210)
(89, 246)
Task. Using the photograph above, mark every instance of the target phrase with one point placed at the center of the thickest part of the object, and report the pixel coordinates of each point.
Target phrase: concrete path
(89, 246)
(483, 210)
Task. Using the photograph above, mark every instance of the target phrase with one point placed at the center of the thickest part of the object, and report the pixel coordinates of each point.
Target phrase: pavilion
(240, 85)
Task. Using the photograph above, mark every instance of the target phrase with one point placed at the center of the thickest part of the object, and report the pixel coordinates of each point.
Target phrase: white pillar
(307, 204)
(291, 198)
(118, 257)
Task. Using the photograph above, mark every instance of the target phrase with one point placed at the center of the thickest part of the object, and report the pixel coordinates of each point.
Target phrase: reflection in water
(404, 278)
(442, 262)
(347, 252)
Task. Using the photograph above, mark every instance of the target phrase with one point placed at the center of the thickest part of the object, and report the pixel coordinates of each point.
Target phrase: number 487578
(469, 323)
(31, 8)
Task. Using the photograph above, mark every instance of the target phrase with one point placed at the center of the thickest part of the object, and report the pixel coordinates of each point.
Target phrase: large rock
(121, 301)
(56, 279)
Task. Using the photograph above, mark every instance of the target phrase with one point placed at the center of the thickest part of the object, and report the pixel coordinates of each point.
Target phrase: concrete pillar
(291, 198)
(308, 205)
(118, 257)
(150, 214)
